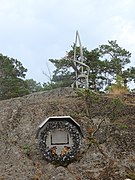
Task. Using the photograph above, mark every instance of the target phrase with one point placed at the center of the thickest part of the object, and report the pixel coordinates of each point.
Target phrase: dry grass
(118, 90)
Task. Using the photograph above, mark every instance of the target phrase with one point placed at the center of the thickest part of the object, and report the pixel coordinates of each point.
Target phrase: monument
(59, 139)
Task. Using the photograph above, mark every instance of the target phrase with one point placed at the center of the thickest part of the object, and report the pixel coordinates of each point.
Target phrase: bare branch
(48, 76)
(98, 127)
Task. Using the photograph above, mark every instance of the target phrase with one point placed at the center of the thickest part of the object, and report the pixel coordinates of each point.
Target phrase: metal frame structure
(82, 70)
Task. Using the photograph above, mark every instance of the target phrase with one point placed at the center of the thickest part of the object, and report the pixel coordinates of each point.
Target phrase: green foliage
(129, 74)
(63, 76)
(49, 86)
(33, 86)
(105, 63)
(131, 176)
(87, 94)
(122, 126)
(12, 87)
(3, 177)
(116, 108)
(119, 87)
(117, 56)
(90, 98)
(91, 141)
(97, 77)
(12, 73)
(10, 67)
(95, 104)
(130, 173)
(27, 149)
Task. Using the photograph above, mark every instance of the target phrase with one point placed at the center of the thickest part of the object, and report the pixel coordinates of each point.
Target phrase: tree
(105, 64)
(119, 87)
(97, 74)
(12, 73)
(64, 75)
(129, 74)
(117, 58)
(33, 86)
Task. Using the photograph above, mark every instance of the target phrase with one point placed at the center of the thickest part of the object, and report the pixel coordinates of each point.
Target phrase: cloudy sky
(34, 31)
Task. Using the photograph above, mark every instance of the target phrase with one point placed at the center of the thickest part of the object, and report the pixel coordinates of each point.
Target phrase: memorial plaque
(59, 139)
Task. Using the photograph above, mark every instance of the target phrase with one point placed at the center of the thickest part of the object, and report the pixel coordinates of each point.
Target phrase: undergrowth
(99, 105)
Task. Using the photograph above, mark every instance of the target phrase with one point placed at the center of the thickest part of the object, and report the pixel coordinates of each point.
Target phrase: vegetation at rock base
(118, 87)
(33, 86)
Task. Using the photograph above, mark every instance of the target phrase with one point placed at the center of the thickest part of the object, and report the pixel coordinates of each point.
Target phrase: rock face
(108, 148)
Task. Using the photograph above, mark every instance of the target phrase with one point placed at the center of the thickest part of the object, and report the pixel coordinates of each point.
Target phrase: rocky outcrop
(108, 147)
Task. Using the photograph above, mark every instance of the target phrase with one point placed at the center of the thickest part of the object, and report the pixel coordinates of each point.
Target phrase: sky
(34, 31)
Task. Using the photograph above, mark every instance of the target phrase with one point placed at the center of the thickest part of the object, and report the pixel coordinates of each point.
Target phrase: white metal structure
(82, 70)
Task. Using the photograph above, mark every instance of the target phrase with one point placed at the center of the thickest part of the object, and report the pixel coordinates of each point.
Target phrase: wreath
(68, 153)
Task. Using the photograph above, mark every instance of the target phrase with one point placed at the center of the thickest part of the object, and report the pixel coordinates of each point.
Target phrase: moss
(131, 175)
(122, 126)
(27, 149)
